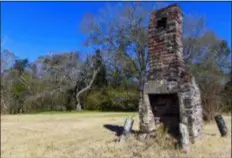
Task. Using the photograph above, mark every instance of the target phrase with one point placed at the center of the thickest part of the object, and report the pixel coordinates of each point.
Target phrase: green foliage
(111, 99)
(20, 65)
(227, 99)
(100, 80)
(94, 100)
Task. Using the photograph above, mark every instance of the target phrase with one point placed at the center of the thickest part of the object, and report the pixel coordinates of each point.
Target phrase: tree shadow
(118, 130)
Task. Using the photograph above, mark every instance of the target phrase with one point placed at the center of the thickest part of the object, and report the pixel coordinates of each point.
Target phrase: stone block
(184, 137)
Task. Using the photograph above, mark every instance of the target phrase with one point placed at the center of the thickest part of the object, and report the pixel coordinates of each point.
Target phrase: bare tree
(7, 59)
(122, 32)
(87, 87)
(67, 71)
(208, 59)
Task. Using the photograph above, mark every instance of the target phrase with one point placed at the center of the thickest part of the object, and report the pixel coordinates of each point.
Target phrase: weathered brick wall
(165, 44)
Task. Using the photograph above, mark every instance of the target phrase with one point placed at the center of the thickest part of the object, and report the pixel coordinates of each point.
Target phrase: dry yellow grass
(84, 136)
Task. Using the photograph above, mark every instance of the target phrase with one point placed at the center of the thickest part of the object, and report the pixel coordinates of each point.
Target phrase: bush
(211, 97)
(110, 99)
(95, 100)
(48, 102)
(227, 99)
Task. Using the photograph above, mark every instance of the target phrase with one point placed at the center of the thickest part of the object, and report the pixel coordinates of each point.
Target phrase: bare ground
(90, 135)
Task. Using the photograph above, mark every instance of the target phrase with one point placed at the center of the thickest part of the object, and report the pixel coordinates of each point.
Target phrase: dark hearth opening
(165, 108)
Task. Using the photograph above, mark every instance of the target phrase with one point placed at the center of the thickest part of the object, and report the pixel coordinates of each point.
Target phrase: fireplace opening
(165, 108)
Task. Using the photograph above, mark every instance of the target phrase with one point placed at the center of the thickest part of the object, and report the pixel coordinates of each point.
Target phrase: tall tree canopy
(122, 32)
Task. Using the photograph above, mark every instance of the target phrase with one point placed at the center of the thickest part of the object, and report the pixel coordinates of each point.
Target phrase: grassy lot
(85, 135)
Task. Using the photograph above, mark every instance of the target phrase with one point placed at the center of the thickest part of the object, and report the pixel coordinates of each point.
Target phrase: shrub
(110, 99)
(211, 97)
(95, 100)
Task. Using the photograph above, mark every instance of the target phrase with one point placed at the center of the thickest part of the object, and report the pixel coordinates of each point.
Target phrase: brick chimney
(171, 95)
(165, 43)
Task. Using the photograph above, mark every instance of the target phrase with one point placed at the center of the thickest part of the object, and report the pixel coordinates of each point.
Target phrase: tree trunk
(78, 107)
(142, 108)
(3, 106)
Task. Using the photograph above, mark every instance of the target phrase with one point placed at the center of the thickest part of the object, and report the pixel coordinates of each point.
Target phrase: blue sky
(32, 29)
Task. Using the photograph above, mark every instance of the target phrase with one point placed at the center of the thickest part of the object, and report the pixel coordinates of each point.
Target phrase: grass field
(85, 135)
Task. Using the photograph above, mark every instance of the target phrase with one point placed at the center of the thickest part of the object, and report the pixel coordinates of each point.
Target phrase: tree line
(113, 76)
